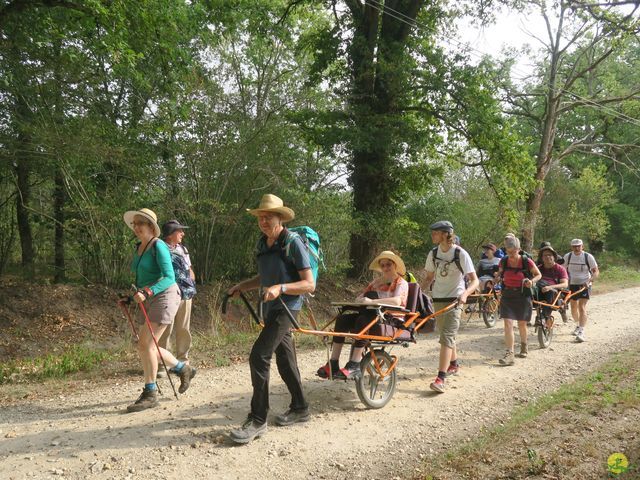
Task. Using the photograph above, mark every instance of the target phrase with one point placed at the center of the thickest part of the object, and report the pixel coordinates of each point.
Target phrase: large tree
(572, 81)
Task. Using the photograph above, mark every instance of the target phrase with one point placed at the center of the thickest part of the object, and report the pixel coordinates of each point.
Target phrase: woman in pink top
(515, 304)
(389, 289)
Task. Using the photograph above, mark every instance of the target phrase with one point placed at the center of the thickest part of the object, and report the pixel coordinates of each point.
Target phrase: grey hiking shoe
(508, 358)
(161, 373)
(576, 331)
(580, 336)
(186, 374)
(292, 416)
(248, 431)
(148, 399)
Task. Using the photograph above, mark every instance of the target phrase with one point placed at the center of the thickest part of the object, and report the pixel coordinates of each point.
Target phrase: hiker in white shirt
(583, 270)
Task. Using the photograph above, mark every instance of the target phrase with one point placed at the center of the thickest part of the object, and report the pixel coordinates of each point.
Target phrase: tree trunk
(376, 86)
(22, 214)
(59, 197)
(549, 124)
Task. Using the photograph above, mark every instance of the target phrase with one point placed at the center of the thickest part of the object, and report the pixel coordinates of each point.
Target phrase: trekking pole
(125, 301)
(155, 340)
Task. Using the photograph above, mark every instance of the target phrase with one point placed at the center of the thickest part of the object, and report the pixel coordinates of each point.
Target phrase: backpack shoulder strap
(525, 265)
(434, 256)
(586, 261)
(456, 259)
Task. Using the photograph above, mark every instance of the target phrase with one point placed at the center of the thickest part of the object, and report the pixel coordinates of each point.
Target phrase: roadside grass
(614, 277)
(569, 433)
(76, 358)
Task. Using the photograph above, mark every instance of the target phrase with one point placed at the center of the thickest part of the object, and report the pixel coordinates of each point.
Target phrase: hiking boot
(576, 331)
(580, 336)
(292, 416)
(350, 371)
(148, 399)
(161, 373)
(524, 351)
(508, 358)
(437, 385)
(323, 372)
(248, 431)
(453, 370)
(186, 374)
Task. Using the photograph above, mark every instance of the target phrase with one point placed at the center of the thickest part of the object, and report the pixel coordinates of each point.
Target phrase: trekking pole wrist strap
(147, 292)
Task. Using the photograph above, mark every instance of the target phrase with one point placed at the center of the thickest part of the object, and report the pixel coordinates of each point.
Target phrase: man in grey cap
(173, 234)
(446, 267)
(583, 270)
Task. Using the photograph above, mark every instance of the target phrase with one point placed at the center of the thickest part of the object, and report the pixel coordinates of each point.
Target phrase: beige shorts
(162, 308)
(447, 324)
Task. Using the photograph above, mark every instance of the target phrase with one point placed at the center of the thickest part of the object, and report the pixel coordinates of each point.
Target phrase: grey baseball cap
(443, 226)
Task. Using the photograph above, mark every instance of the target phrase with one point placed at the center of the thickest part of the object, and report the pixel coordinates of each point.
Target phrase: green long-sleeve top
(154, 269)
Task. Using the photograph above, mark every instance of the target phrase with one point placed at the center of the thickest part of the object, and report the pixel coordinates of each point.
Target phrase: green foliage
(576, 206)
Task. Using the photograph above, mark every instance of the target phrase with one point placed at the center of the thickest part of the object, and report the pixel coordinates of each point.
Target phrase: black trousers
(353, 323)
(274, 337)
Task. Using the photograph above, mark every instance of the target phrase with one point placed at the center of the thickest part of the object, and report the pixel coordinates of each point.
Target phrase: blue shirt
(276, 267)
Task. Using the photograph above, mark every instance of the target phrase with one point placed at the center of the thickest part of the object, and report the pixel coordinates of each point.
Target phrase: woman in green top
(157, 288)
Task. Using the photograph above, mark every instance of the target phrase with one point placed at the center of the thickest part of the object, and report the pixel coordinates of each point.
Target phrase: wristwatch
(283, 288)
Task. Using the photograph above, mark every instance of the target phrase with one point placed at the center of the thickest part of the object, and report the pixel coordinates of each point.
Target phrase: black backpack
(456, 258)
(525, 265)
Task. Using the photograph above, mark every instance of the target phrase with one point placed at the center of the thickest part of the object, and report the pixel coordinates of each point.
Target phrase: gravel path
(88, 435)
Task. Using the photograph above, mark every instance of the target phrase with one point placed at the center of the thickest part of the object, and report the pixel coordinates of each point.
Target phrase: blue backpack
(311, 241)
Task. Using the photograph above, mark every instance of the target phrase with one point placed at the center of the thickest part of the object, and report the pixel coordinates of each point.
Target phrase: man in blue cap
(446, 267)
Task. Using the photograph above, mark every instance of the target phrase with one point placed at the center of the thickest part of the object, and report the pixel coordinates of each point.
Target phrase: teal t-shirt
(154, 269)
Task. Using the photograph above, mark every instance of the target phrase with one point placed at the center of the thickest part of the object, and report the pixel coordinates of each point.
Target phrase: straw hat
(271, 203)
(389, 255)
(147, 214)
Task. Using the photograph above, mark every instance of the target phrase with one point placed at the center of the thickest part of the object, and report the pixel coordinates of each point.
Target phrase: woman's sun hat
(389, 255)
(147, 214)
(271, 203)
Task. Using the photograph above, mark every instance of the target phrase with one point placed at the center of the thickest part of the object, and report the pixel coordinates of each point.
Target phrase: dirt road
(88, 435)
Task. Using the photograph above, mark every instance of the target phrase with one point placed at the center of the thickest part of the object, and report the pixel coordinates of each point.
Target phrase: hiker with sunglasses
(390, 288)
(158, 291)
(446, 267)
(282, 278)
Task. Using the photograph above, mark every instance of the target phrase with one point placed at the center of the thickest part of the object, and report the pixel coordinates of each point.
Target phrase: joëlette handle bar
(225, 300)
(252, 310)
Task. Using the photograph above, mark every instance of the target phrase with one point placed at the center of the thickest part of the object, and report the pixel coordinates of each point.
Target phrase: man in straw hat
(282, 280)
(583, 270)
(446, 268)
(554, 276)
